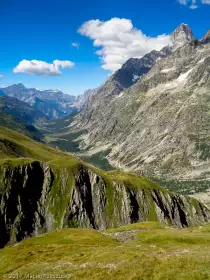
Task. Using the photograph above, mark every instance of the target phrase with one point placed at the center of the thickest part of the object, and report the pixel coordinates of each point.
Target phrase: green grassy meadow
(143, 251)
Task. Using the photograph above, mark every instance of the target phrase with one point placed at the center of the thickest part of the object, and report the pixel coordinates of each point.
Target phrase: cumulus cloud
(193, 4)
(193, 7)
(119, 40)
(42, 68)
(207, 2)
(75, 45)
(183, 2)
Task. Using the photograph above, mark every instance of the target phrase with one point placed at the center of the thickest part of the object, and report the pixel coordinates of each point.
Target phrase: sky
(74, 45)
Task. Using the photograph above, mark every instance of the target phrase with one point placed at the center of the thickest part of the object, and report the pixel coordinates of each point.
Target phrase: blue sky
(44, 30)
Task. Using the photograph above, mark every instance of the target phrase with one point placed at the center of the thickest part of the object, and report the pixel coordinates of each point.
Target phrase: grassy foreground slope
(141, 251)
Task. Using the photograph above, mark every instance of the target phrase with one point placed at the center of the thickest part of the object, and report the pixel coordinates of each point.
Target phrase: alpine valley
(151, 117)
(115, 183)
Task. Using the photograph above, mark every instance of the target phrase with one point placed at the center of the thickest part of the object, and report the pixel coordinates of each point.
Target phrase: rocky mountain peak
(181, 35)
(17, 86)
(134, 68)
(206, 38)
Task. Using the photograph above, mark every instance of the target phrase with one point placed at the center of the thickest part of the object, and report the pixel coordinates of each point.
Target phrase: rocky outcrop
(206, 38)
(181, 35)
(134, 68)
(38, 197)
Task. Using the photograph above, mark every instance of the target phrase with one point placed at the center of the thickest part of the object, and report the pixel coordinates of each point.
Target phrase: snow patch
(121, 94)
(168, 70)
(180, 80)
(184, 76)
(135, 77)
(202, 60)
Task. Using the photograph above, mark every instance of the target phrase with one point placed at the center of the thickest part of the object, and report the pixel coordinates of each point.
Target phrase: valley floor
(138, 251)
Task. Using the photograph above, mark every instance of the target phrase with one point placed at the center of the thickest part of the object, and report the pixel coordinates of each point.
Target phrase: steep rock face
(85, 98)
(206, 38)
(134, 68)
(182, 35)
(23, 194)
(115, 86)
(37, 198)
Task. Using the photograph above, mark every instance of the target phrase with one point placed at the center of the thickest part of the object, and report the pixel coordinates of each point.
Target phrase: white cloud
(183, 2)
(119, 40)
(193, 4)
(75, 45)
(1, 76)
(42, 68)
(205, 2)
(193, 7)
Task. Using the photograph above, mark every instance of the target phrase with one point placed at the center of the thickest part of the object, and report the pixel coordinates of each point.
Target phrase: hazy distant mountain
(54, 104)
(21, 110)
(18, 115)
(2, 93)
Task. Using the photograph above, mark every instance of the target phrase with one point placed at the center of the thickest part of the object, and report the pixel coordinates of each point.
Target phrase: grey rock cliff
(37, 198)
(206, 38)
(182, 35)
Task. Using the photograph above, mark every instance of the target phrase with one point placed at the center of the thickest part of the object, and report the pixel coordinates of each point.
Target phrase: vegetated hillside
(60, 133)
(159, 126)
(2, 93)
(12, 123)
(57, 134)
(139, 251)
(53, 103)
(21, 111)
(43, 189)
(19, 116)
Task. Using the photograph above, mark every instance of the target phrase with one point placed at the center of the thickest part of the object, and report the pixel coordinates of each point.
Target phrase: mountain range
(158, 123)
(53, 103)
(148, 127)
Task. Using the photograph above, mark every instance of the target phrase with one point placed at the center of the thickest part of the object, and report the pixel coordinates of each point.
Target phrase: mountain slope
(206, 38)
(140, 251)
(43, 189)
(21, 110)
(134, 68)
(19, 116)
(54, 104)
(181, 35)
(114, 87)
(160, 125)
(12, 123)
